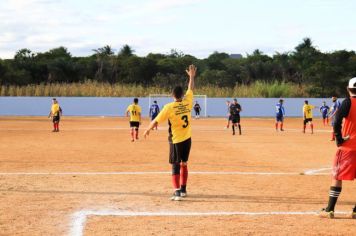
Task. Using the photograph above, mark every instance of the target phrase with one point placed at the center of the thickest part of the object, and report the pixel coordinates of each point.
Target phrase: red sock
(333, 136)
(136, 131)
(175, 181)
(57, 126)
(54, 126)
(132, 134)
(281, 125)
(276, 125)
(183, 174)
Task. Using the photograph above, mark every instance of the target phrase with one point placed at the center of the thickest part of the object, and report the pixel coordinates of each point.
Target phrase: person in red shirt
(344, 166)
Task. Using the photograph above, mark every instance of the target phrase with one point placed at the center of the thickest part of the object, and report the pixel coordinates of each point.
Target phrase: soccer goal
(163, 99)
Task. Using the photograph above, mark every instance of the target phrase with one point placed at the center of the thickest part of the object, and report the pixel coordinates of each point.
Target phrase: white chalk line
(164, 128)
(79, 218)
(317, 171)
(312, 172)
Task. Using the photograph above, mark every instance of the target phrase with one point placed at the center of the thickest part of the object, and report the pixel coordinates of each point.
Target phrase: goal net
(163, 99)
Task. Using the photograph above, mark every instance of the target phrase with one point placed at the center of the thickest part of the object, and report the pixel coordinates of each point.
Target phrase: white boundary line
(317, 171)
(309, 172)
(79, 218)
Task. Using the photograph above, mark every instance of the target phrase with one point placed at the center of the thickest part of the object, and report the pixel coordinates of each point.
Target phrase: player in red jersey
(344, 167)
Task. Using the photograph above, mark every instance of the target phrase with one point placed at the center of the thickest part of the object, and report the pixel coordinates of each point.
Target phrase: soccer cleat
(183, 194)
(282, 129)
(233, 133)
(353, 215)
(326, 214)
(176, 196)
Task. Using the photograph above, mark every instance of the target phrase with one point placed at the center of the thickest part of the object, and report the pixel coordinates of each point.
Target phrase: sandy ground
(48, 179)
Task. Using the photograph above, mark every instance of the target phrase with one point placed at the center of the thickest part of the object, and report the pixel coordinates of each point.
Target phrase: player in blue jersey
(154, 110)
(334, 109)
(280, 113)
(324, 110)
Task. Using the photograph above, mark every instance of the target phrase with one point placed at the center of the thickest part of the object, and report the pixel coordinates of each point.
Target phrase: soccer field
(89, 179)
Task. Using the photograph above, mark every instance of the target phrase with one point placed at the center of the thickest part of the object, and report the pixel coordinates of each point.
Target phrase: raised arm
(191, 71)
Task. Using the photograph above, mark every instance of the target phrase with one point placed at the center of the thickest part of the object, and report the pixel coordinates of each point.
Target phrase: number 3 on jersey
(186, 122)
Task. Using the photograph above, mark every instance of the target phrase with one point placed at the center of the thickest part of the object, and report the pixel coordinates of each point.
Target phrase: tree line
(325, 73)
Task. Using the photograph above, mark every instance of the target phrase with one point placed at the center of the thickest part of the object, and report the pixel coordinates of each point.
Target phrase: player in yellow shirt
(178, 114)
(55, 114)
(134, 111)
(308, 115)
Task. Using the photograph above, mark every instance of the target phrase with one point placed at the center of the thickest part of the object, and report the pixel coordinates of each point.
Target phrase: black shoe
(176, 196)
(183, 193)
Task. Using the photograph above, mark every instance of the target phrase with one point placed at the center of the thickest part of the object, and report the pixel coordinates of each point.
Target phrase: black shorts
(235, 119)
(56, 119)
(179, 152)
(307, 120)
(154, 116)
(135, 124)
(197, 112)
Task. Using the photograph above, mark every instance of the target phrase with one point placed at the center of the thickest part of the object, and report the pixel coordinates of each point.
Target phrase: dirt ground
(261, 183)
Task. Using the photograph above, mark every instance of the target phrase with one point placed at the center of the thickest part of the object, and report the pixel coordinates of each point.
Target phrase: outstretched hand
(191, 71)
(146, 133)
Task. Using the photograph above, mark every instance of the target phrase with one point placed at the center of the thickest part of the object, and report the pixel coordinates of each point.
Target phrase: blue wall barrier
(97, 106)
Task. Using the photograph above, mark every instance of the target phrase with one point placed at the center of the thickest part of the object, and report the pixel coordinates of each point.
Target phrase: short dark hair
(178, 92)
(281, 100)
(306, 101)
(154, 101)
(235, 100)
(135, 100)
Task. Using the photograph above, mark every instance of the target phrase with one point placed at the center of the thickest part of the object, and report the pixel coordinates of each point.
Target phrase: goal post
(163, 99)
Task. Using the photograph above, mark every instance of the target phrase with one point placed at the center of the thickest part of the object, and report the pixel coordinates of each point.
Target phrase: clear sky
(196, 27)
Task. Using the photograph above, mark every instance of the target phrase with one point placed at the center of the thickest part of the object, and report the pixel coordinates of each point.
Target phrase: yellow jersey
(135, 112)
(178, 115)
(55, 109)
(308, 111)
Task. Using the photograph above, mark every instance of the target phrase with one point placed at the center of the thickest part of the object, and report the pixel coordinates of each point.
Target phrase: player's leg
(54, 120)
(228, 122)
(132, 132)
(136, 133)
(344, 168)
(311, 126)
(304, 124)
(334, 193)
(57, 125)
(282, 120)
(233, 126)
(276, 124)
(183, 152)
(54, 126)
(238, 124)
(175, 162)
